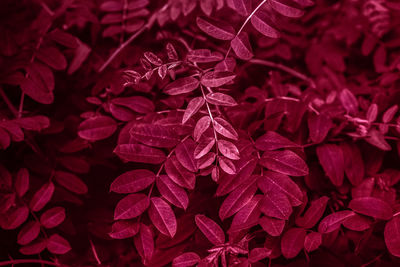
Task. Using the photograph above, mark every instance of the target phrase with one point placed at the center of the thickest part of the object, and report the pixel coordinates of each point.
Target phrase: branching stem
(10, 105)
(245, 23)
(147, 26)
(284, 68)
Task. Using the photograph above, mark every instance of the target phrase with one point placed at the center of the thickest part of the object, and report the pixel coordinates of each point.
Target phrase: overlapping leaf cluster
(207, 133)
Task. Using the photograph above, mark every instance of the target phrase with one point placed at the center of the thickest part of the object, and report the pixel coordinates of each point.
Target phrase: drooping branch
(147, 26)
(284, 68)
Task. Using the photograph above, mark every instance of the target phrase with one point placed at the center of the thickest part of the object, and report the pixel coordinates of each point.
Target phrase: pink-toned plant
(199, 133)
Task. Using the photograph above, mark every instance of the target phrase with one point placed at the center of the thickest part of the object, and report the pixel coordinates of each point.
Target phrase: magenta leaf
(153, 58)
(364, 189)
(154, 135)
(262, 23)
(371, 206)
(241, 45)
(358, 223)
(227, 165)
(57, 244)
(144, 242)
(392, 236)
(22, 182)
(210, 229)
(182, 86)
(377, 139)
(225, 128)
(228, 149)
(204, 56)
(42, 197)
(257, 254)
(244, 168)
(333, 221)
(272, 181)
(389, 113)
(180, 175)
(221, 99)
(332, 160)
(162, 216)
(192, 108)
(131, 206)
(14, 218)
(285, 162)
(172, 192)
(286, 8)
(312, 241)
(275, 204)
(217, 29)
(138, 104)
(206, 160)
(204, 147)
(63, 38)
(348, 101)
(243, 7)
(201, 126)
(97, 128)
(5, 139)
(71, 182)
(52, 57)
(372, 113)
(124, 229)
(272, 141)
(171, 52)
(272, 226)
(52, 217)
(236, 200)
(248, 215)
(34, 247)
(36, 123)
(186, 259)
(139, 153)
(217, 78)
(28, 233)
(353, 163)
(185, 154)
(319, 126)
(292, 242)
(313, 214)
(133, 181)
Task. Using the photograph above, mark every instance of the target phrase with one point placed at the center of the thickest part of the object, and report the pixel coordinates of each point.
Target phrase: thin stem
(21, 105)
(8, 102)
(245, 23)
(212, 119)
(94, 252)
(121, 47)
(284, 68)
(148, 25)
(124, 10)
(29, 261)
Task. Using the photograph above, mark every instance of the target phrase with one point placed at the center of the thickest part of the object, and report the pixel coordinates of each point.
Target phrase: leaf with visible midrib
(285, 162)
(210, 229)
(162, 216)
(182, 86)
(140, 153)
(217, 29)
(392, 236)
(132, 181)
(131, 206)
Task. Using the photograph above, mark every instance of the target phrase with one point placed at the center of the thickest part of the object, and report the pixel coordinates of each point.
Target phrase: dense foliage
(200, 132)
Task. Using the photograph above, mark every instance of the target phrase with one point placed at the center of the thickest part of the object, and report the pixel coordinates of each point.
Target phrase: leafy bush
(208, 133)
